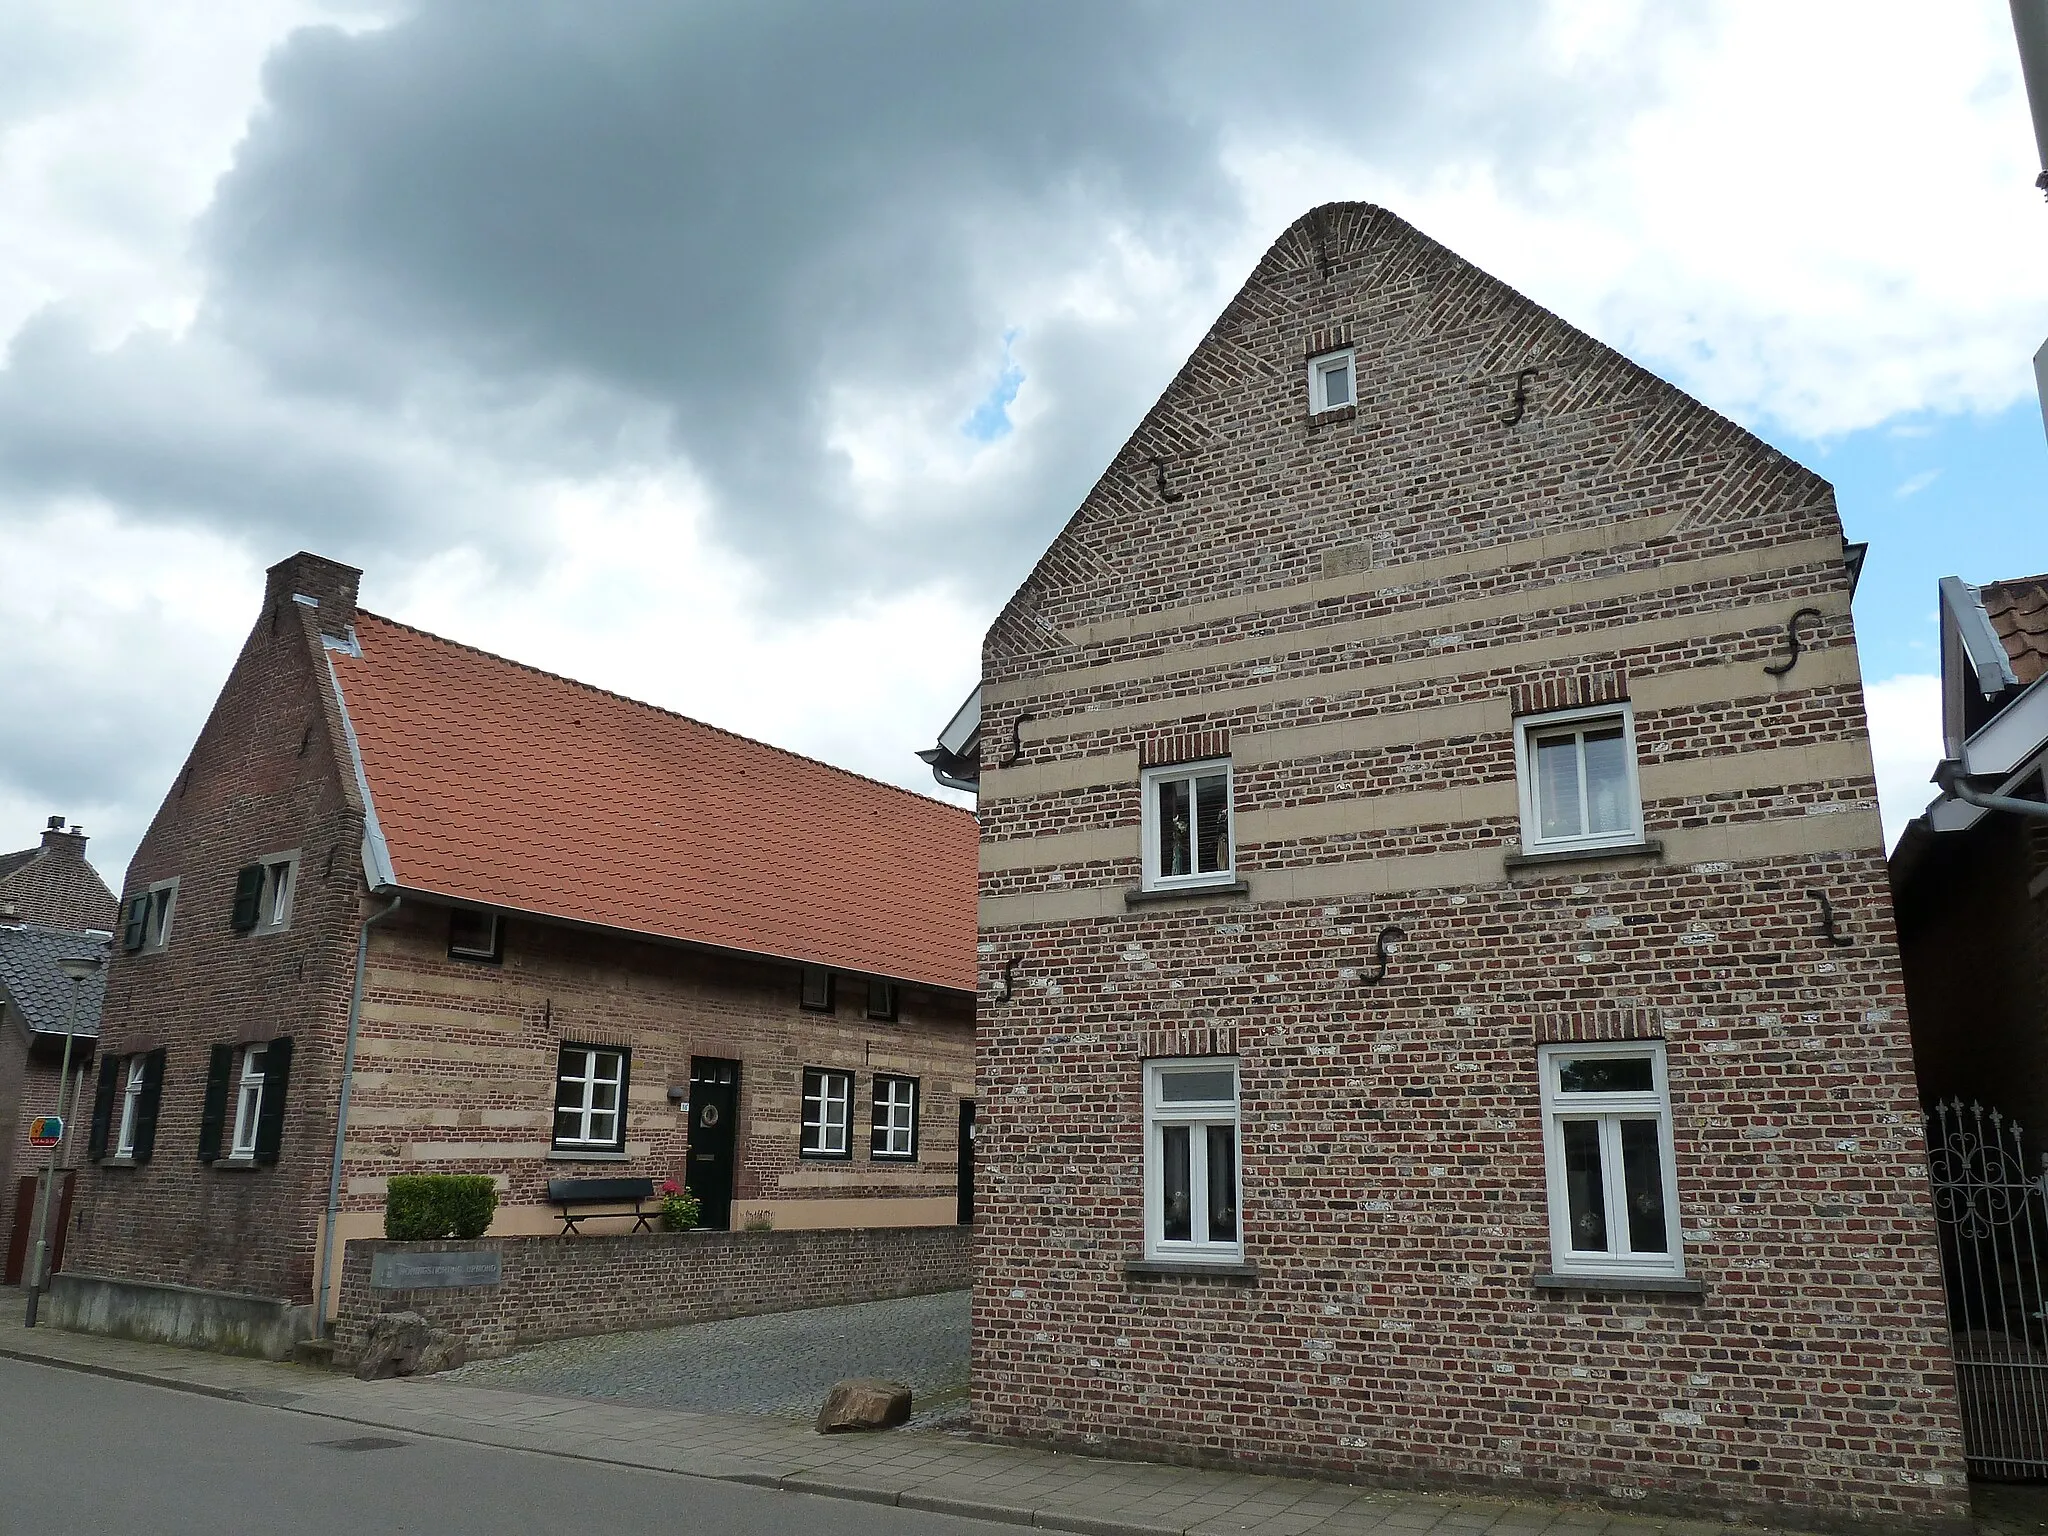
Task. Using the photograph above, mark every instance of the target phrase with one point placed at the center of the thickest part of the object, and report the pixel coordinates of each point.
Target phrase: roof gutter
(348, 1072)
(1950, 777)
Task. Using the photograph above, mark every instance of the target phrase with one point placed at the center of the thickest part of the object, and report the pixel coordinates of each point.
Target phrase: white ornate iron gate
(1993, 1220)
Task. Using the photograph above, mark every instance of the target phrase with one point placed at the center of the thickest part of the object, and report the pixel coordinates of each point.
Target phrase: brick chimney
(65, 844)
(330, 585)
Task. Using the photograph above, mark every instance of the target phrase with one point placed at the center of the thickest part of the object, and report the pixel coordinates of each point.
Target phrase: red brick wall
(266, 775)
(28, 1088)
(456, 1062)
(564, 1287)
(1359, 604)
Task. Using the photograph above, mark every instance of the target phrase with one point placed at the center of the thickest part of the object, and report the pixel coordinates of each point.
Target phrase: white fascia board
(376, 852)
(964, 728)
(1980, 641)
(2015, 736)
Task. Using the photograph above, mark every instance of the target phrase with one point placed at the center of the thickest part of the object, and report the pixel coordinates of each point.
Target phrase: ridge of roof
(673, 714)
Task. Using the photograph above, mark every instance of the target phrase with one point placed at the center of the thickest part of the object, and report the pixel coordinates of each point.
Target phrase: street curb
(119, 1373)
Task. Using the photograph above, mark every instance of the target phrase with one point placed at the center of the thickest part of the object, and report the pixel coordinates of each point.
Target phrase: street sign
(45, 1131)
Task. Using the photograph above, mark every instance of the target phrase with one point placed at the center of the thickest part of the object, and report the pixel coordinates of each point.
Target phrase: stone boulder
(863, 1403)
(406, 1344)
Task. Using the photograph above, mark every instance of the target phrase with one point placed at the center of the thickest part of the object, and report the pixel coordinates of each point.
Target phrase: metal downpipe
(348, 1072)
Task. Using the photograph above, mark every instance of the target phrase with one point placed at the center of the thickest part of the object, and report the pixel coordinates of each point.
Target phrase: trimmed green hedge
(419, 1207)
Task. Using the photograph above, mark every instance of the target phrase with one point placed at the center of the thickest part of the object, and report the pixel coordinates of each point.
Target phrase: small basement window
(1332, 381)
(475, 934)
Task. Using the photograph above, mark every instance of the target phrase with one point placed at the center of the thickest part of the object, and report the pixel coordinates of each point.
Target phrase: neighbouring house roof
(2018, 611)
(10, 862)
(52, 884)
(38, 992)
(496, 783)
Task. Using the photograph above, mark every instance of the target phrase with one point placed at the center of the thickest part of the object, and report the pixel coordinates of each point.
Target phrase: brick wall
(1356, 606)
(28, 1088)
(268, 774)
(563, 1287)
(456, 1068)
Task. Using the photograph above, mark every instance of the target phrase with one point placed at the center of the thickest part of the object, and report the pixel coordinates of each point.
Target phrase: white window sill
(119, 1160)
(1231, 889)
(589, 1155)
(1207, 1269)
(1672, 1285)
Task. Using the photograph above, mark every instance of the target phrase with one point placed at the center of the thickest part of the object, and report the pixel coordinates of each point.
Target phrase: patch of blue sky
(991, 418)
(1934, 496)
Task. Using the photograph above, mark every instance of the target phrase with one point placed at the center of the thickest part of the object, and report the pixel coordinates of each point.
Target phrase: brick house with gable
(1412, 1044)
(53, 905)
(534, 930)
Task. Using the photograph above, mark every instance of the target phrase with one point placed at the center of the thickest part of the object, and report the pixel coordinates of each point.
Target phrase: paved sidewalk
(949, 1474)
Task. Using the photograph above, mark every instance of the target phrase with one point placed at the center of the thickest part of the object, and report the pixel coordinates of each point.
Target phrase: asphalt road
(88, 1455)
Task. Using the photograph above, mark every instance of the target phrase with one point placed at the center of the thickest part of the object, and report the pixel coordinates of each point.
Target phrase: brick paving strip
(946, 1474)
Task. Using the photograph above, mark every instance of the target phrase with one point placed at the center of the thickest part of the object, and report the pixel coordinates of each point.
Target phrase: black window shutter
(103, 1108)
(137, 927)
(248, 897)
(145, 1106)
(220, 1065)
(277, 1073)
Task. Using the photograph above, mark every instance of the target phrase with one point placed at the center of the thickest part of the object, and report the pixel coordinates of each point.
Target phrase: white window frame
(248, 1101)
(1532, 728)
(1320, 367)
(131, 1102)
(280, 886)
(1148, 792)
(835, 1088)
(1198, 1117)
(1609, 1109)
(585, 1059)
(892, 1135)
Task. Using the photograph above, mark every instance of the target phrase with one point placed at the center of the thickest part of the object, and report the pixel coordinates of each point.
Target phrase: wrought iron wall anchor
(1016, 739)
(1521, 406)
(1792, 641)
(1159, 474)
(1006, 986)
(1389, 935)
(1827, 921)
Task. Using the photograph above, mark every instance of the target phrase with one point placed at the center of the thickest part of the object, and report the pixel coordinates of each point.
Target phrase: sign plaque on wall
(434, 1271)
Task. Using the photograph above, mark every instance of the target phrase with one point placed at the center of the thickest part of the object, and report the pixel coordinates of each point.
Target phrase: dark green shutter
(277, 1073)
(145, 1106)
(137, 928)
(103, 1108)
(248, 898)
(220, 1066)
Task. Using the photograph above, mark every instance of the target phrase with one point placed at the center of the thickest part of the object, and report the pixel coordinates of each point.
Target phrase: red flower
(671, 1187)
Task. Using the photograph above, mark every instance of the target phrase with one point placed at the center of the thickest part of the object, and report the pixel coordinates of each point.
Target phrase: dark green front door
(714, 1126)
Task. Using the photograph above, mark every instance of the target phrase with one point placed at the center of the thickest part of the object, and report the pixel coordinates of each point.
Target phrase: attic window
(816, 996)
(1332, 381)
(474, 934)
(881, 998)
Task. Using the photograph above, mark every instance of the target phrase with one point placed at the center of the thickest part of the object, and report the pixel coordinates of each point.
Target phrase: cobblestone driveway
(779, 1364)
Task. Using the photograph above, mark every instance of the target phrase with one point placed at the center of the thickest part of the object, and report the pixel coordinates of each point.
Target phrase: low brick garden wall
(501, 1293)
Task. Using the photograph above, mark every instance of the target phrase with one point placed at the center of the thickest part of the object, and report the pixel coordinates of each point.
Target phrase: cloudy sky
(742, 356)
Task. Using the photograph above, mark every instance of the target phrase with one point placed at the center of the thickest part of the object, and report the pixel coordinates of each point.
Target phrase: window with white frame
(1608, 1151)
(248, 1102)
(146, 925)
(272, 883)
(1332, 381)
(895, 1123)
(1577, 772)
(1191, 1160)
(590, 1098)
(131, 1101)
(828, 1100)
(1187, 827)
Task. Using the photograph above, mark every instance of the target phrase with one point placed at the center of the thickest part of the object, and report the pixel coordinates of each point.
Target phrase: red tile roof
(510, 787)
(2019, 612)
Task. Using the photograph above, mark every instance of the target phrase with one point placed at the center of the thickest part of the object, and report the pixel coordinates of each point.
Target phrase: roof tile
(2019, 613)
(499, 784)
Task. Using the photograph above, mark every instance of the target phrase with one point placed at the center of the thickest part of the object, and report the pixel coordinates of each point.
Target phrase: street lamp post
(78, 969)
